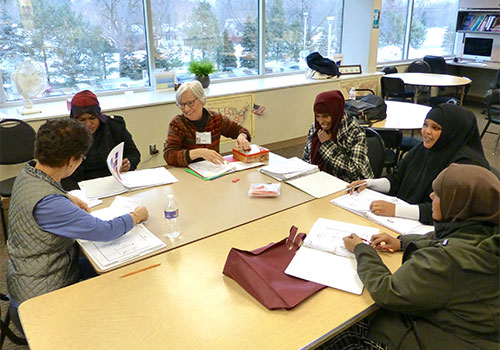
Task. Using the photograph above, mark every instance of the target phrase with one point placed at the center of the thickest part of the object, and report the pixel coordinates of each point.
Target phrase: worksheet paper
(323, 259)
(208, 170)
(122, 182)
(319, 184)
(289, 169)
(137, 242)
(359, 203)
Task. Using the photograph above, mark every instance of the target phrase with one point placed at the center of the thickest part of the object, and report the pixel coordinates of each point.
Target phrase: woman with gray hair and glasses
(195, 133)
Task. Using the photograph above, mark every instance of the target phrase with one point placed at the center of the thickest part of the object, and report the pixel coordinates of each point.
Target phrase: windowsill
(128, 100)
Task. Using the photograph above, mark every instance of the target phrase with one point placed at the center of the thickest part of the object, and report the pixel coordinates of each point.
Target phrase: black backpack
(368, 109)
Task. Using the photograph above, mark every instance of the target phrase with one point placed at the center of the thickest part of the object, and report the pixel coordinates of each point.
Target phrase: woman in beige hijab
(446, 293)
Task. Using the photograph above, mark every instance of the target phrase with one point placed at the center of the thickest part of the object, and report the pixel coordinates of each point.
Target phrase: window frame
(407, 40)
(151, 65)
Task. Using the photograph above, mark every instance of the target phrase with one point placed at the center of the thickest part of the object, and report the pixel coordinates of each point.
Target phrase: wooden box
(255, 154)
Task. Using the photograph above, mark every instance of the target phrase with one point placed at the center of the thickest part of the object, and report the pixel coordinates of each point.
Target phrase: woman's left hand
(324, 135)
(125, 165)
(242, 142)
(352, 241)
(383, 208)
(79, 203)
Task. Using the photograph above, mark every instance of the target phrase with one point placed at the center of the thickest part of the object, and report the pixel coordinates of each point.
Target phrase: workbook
(137, 242)
(289, 169)
(323, 258)
(359, 203)
(122, 182)
(208, 171)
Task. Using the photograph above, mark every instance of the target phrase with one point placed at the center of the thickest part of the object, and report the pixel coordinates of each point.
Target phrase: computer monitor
(478, 49)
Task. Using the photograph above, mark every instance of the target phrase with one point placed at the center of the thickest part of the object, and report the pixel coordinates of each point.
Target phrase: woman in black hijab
(450, 135)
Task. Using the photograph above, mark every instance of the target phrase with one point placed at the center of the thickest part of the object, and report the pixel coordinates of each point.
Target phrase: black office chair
(437, 64)
(392, 141)
(376, 151)
(394, 89)
(389, 69)
(5, 331)
(17, 143)
(496, 83)
(418, 67)
(493, 112)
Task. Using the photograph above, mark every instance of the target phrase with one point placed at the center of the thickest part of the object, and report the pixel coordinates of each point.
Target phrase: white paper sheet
(289, 169)
(323, 259)
(319, 184)
(359, 203)
(137, 242)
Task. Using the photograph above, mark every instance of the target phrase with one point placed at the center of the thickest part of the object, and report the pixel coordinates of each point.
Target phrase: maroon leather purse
(261, 273)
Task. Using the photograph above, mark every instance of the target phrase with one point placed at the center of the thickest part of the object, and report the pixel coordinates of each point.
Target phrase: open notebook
(323, 259)
(209, 171)
(359, 203)
(122, 182)
(137, 242)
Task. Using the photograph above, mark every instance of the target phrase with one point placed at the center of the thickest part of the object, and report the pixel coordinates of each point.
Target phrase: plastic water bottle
(352, 94)
(171, 212)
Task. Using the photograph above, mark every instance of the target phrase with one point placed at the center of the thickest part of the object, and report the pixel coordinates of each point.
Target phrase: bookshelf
(478, 21)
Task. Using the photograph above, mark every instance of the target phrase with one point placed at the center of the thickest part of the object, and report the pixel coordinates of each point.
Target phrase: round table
(430, 80)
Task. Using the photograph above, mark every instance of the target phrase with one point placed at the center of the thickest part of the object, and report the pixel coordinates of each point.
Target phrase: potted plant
(201, 69)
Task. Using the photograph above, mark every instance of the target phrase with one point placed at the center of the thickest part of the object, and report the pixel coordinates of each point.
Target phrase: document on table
(323, 259)
(122, 182)
(289, 169)
(209, 171)
(137, 242)
(319, 184)
(359, 203)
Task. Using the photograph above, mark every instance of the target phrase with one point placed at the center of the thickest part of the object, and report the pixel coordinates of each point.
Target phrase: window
(431, 31)
(296, 28)
(108, 45)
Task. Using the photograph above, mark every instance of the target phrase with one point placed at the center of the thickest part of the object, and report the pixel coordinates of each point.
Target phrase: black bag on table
(368, 109)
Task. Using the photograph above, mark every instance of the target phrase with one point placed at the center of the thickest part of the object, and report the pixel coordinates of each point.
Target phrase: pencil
(140, 270)
(355, 187)
(380, 245)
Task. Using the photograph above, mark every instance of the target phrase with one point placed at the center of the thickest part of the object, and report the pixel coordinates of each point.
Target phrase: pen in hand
(354, 188)
(381, 245)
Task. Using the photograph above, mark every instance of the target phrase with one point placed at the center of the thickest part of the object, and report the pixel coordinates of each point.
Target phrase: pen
(355, 187)
(140, 270)
(380, 245)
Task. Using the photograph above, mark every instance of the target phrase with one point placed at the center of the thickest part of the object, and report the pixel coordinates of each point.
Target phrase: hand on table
(125, 165)
(383, 208)
(207, 154)
(140, 214)
(242, 142)
(356, 186)
(79, 203)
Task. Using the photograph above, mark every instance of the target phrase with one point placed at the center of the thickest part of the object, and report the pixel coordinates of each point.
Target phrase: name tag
(203, 138)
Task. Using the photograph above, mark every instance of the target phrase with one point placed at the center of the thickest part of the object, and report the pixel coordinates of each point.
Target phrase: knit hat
(86, 102)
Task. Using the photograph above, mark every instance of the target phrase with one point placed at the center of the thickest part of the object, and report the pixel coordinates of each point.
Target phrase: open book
(359, 203)
(137, 242)
(122, 182)
(323, 259)
(209, 171)
(289, 169)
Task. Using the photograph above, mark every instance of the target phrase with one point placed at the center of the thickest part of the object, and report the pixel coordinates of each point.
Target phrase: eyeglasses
(189, 103)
